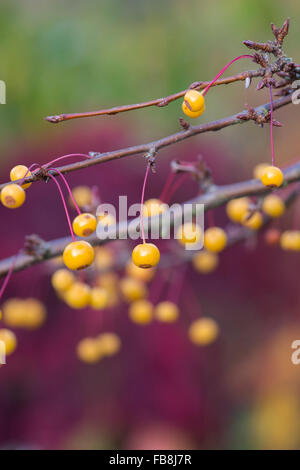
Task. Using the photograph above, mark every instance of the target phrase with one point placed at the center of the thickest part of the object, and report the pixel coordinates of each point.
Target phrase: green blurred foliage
(72, 56)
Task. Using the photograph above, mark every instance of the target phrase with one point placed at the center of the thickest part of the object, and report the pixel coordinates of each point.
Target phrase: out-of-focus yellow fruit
(145, 275)
(254, 222)
(78, 295)
(82, 195)
(273, 205)
(141, 312)
(215, 239)
(99, 298)
(203, 331)
(205, 262)
(88, 350)
(132, 289)
(153, 207)
(290, 240)
(9, 339)
(166, 311)
(259, 170)
(106, 219)
(109, 343)
(104, 258)
(62, 279)
(237, 208)
(189, 234)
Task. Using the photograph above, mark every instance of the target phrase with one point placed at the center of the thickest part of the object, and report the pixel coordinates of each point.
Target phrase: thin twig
(160, 102)
(172, 139)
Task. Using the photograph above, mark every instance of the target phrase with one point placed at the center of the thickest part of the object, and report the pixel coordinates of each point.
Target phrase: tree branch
(260, 112)
(216, 196)
(160, 102)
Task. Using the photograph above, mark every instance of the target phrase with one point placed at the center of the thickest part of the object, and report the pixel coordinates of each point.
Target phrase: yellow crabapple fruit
(82, 195)
(188, 234)
(153, 207)
(141, 312)
(145, 255)
(98, 298)
(215, 239)
(88, 350)
(78, 295)
(273, 205)
(104, 257)
(259, 169)
(253, 221)
(272, 177)
(145, 275)
(62, 279)
(106, 219)
(290, 240)
(9, 339)
(132, 289)
(193, 104)
(14, 312)
(35, 314)
(205, 261)
(18, 172)
(166, 311)
(13, 196)
(109, 343)
(237, 208)
(78, 255)
(109, 281)
(203, 331)
(84, 224)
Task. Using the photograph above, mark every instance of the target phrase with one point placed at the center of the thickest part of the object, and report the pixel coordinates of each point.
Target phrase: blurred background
(160, 391)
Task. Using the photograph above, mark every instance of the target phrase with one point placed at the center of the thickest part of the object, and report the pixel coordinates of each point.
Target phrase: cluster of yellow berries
(92, 350)
(78, 294)
(143, 312)
(215, 238)
(13, 195)
(24, 313)
(239, 210)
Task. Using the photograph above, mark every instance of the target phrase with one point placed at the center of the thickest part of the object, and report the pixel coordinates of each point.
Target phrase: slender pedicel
(271, 123)
(68, 188)
(64, 204)
(142, 202)
(8, 275)
(244, 56)
(167, 186)
(33, 165)
(70, 155)
(175, 187)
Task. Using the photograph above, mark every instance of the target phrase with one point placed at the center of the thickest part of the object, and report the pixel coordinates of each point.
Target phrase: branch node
(185, 125)
(36, 246)
(151, 158)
